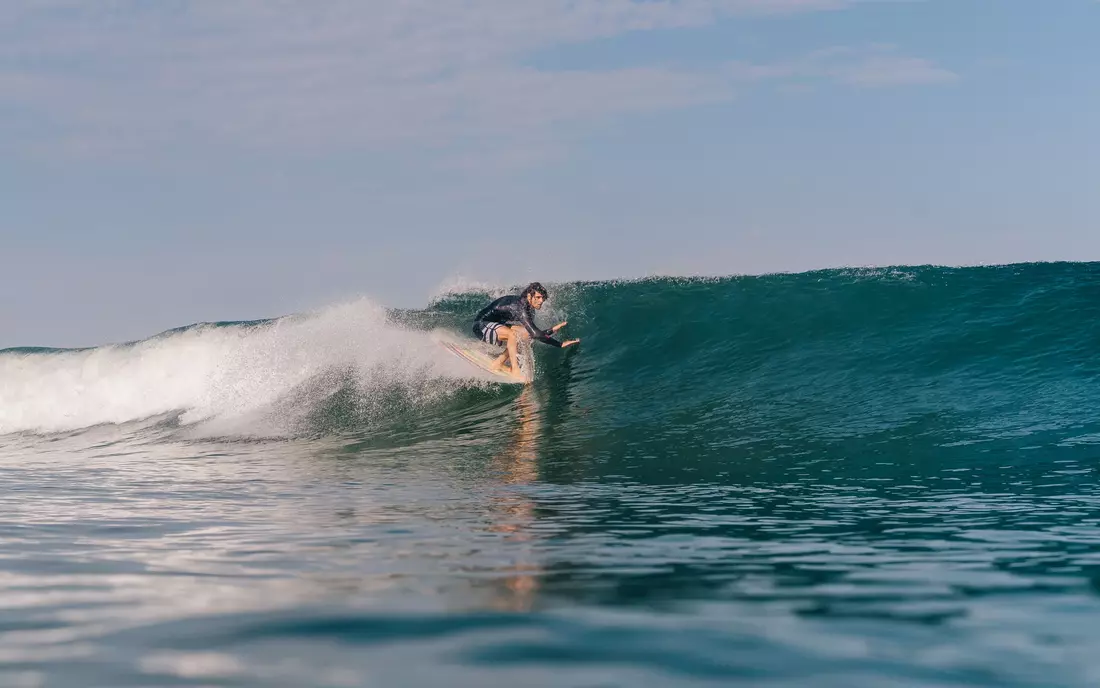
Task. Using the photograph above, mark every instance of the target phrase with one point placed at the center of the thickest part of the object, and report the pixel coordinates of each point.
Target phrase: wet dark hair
(534, 288)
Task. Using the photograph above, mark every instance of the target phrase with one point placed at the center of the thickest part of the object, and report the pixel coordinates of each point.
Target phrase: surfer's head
(534, 294)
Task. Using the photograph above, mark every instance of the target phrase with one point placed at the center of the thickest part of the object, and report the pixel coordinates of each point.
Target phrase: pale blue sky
(169, 162)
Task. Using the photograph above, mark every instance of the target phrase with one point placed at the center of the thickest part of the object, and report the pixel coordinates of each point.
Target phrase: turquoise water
(843, 478)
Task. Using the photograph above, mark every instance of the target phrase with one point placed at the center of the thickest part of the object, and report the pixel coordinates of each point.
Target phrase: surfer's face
(535, 299)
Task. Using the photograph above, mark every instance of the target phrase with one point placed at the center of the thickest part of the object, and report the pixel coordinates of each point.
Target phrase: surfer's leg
(519, 334)
(511, 349)
(510, 336)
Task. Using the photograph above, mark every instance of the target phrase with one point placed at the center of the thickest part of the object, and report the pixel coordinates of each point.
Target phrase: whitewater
(851, 477)
(231, 376)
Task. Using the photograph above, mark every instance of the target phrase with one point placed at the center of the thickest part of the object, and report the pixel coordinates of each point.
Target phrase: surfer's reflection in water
(513, 512)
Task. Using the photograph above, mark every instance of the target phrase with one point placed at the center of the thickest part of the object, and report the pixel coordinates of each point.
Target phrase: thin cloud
(876, 66)
(127, 75)
(887, 70)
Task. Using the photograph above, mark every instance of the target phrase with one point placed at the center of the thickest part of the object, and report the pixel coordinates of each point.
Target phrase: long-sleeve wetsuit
(512, 310)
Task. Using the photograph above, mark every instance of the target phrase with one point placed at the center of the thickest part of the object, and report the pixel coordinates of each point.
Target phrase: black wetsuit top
(510, 310)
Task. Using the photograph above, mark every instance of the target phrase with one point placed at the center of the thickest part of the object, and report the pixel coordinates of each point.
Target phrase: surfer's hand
(557, 327)
(571, 342)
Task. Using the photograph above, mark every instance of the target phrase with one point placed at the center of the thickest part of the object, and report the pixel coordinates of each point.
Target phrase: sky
(179, 161)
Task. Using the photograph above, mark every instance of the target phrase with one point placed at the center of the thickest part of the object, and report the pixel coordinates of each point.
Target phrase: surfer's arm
(544, 337)
(541, 335)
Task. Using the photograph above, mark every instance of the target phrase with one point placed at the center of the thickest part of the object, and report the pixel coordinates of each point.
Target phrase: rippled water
(154, 562)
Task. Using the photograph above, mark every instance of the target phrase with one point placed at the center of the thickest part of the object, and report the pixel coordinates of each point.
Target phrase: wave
(979, 353)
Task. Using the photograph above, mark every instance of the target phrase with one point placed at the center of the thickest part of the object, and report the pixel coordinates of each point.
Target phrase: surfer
(510, 319)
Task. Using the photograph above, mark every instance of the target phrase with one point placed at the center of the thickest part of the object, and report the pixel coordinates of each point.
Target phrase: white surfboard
(477, 354)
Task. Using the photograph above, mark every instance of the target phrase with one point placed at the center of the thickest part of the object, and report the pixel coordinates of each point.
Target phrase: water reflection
(512, 511)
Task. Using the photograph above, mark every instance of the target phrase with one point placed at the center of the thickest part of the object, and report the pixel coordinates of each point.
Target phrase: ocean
(856, 477)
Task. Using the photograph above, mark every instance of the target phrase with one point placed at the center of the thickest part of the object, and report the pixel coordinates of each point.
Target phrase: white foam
(226, 377)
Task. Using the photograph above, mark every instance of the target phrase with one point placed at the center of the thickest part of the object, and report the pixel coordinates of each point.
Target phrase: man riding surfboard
(512, 318)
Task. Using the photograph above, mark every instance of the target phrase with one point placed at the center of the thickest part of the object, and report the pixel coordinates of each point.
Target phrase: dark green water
(844, 478)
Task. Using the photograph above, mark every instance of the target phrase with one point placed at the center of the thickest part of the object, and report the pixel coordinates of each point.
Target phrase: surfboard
(476, 354)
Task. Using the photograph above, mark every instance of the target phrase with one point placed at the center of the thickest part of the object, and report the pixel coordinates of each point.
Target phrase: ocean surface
(874, 477)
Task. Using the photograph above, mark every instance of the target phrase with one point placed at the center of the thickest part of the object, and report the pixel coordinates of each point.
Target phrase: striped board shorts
(487, 332)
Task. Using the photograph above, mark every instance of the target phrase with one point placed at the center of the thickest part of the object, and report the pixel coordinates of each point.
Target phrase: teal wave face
(914, 363)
